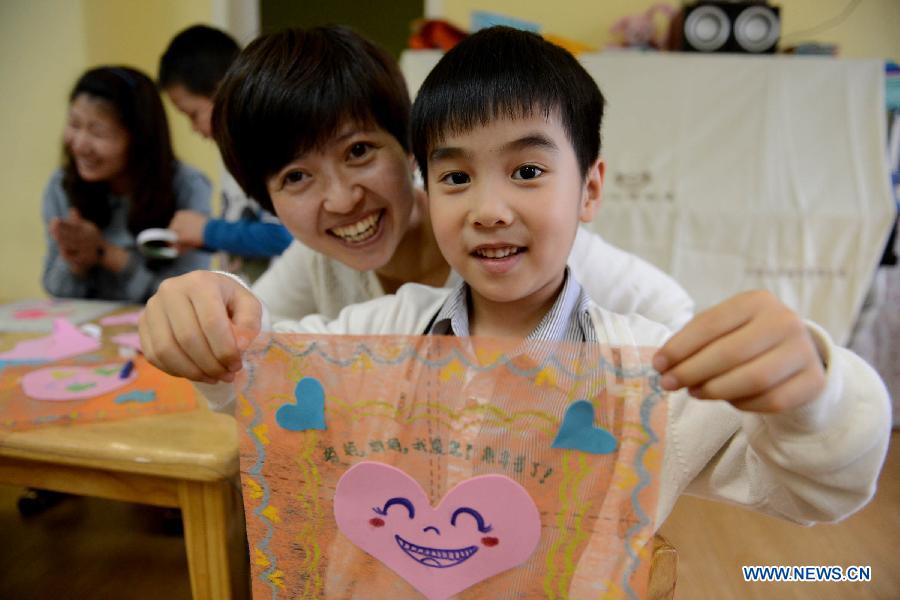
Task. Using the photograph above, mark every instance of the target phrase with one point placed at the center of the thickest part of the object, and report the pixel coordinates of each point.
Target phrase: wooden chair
(663, 566)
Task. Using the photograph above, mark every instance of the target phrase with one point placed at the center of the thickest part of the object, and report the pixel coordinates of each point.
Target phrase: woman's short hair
(290, 92)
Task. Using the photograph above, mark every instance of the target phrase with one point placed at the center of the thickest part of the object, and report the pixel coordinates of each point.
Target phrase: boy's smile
(505, 201)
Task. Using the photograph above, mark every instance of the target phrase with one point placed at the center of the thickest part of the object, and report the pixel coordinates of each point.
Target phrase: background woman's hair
(150, 164)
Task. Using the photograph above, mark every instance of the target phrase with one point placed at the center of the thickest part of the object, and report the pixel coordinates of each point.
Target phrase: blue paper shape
(139, 396)
(482, 19)
(577, 431)
(308, 412)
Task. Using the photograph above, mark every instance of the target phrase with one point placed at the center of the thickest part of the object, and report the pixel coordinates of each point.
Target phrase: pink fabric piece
(444, 550)
(74, 383)
(124, 319)
(131, 340)
(65, 341)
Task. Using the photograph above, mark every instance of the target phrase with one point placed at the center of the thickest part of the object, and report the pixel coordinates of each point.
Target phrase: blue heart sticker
(577, 431)
(308, 412)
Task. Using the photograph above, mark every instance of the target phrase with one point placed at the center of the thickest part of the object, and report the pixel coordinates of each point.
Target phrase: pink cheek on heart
(490, 542)
(376, 522)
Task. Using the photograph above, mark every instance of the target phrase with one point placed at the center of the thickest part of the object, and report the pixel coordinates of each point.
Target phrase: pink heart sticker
(74, 383)
(483, 526)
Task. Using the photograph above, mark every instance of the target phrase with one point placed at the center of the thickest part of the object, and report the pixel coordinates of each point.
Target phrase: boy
(190, 71)
(506, 130)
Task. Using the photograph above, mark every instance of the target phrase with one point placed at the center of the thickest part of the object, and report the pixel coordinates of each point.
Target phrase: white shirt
(303, 282)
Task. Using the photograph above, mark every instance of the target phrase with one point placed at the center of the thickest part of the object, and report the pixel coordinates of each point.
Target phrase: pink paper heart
(74, 383)
(483, 526)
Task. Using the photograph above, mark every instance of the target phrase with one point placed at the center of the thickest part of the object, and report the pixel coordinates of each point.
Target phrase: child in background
(506, 130)
(190, 71)
(315, 123)
(120, 177)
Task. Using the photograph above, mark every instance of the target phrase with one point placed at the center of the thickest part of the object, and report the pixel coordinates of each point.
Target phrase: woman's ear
(592, 191)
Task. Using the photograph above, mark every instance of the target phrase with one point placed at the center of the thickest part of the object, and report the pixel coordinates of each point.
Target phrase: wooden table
(182, 460)
(185, 460)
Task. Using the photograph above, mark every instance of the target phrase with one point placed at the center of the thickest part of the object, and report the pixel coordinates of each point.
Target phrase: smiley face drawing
(440, 558)
(483, 526)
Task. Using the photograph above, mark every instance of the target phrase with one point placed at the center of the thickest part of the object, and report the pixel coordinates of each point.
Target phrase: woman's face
(351, 200)
(96, 140)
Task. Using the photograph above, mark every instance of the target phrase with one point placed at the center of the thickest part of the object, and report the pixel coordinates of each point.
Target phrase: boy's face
(505, 202)
(198, 109)
(351, 200)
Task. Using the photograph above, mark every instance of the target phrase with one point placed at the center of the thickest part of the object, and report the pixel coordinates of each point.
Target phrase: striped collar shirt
(568, 320)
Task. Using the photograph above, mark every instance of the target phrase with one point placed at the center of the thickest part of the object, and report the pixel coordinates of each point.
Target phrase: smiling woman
(120, 177)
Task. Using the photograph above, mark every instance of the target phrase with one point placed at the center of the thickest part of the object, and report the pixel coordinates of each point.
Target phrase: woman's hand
(197, 325)
(80, 241)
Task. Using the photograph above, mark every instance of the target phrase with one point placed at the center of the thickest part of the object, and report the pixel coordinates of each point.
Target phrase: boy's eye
(527, 172)
(359, 149)
(456, 178)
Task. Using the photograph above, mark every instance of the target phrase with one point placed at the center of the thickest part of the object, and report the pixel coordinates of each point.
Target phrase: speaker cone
(707, 28)
(756, 29)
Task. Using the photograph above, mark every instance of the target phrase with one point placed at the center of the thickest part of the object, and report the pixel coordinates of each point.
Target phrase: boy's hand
(751, 350)
(197, 325)
(188, 225)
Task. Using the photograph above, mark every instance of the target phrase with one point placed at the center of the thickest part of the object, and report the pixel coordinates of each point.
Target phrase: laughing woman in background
(120, 177)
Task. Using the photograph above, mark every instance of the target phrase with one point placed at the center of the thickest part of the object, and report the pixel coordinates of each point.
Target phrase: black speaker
(748, 27)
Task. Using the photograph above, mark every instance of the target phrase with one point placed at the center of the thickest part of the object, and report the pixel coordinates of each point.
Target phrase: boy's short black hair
(502, 72)
(197, 58)
(289, 92)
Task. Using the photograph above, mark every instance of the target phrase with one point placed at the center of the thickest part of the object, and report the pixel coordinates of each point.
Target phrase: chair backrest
(663, 570)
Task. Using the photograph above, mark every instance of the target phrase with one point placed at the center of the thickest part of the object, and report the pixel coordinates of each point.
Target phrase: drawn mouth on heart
(434, 557)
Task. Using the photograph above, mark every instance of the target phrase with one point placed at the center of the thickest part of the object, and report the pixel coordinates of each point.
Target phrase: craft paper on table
(404, 467)
(74, 382)
(65, 341)
(129, 318)
(77, 391)
(38, 315)
(129, 340)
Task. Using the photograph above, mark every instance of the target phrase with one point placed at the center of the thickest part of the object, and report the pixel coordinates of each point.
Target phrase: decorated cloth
(403, 466)
(792, 464)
